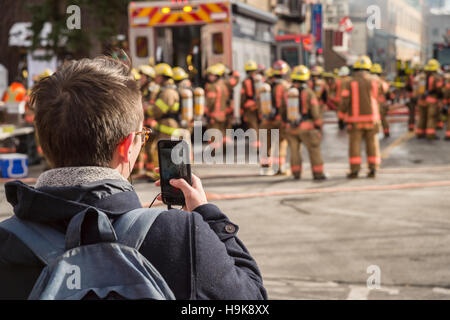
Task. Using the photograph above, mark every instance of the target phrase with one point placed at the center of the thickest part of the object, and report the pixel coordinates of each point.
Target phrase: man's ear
(124, 148)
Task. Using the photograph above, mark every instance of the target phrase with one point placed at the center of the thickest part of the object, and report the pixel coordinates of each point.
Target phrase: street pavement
(317, 240)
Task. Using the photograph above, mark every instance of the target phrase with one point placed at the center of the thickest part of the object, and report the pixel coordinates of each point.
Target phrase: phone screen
(173, 164)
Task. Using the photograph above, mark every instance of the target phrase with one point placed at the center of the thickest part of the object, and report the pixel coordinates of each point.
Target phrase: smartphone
(174, 163)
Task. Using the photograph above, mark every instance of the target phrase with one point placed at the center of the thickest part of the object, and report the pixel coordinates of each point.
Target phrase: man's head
(88, 113)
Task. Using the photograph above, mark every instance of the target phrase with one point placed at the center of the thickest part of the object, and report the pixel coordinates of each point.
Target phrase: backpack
(110, 268)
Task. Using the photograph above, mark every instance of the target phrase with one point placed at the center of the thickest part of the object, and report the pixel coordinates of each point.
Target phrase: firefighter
(411, 89)
(360, 104)
(446, 102)
(145, 75)
(249, 105)
(429, 102)
(231, 80)
(319, 86)
(343, 78)
(186, 92)
(164, 111)
(216, 103)
(303, 124)
(377, 71)
(271, 120)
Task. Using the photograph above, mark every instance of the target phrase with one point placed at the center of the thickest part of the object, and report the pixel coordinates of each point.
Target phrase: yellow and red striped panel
(200, 14)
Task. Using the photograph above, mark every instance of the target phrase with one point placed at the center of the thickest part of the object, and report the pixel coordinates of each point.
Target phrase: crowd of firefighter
(292, 100)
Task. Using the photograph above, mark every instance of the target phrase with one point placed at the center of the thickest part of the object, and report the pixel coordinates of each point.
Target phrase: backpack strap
(104, 231)
(132, 227)
(45, 242)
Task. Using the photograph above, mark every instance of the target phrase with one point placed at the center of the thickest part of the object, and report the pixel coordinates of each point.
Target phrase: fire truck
(197, 34)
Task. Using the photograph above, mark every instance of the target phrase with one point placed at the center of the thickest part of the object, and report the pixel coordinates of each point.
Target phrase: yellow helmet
(147, 70)
(221, 68)
(163, 69)
(46, 73)
(251, 66)
(376, 69)
(433, 65)
(317, 71)
(300, 73)
(136, 75)
(179, 74)
(269, 72)
(363, 63)
(214, 70)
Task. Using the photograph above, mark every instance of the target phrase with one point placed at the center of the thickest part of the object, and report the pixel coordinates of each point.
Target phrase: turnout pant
(384, 121)
(428, 115)
(270, 159)
(370, 136)
(311, 139)
(412, 114)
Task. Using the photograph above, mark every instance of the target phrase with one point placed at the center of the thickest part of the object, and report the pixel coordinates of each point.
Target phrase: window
(217, 43)
(141, 47)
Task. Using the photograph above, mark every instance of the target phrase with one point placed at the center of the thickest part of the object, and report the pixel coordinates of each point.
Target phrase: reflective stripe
(166, 129)
(341, 115)
(447, 134)
(431, 99)
(249, 88)
(296, 169)
(211, 95)
(430, 83)
(318, 169)
(345, 93)
(162, 105)
(374, 98)
(318, 122)
(279, 92)
(355, 99)
(176, 107)
(338, 90)
(306, 125)
(374, 160)
(355, 160)
(304, 102)
(430, 131)
(420, 131)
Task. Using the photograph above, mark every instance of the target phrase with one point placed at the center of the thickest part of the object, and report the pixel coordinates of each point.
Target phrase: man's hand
(195, 195)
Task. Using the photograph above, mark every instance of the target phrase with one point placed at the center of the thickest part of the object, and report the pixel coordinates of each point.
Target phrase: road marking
(406, 137)
(215, 196)
(362, 293)
(442, 291)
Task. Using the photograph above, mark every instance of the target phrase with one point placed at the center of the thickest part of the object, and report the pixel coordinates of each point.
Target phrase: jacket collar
(53, 204)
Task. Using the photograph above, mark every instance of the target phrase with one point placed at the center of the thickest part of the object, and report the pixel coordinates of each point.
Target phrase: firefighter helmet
(269, 72)
(376, 69)
(136, 75)
(317, 71)
(300, 73)
(147, 70)
(214, 70)
(280, 68)
(179, 74)
(46, 73)
(344, 71)
(221, 68)
(163, 69)
(433, 65)
(363, 63)
(251, 65)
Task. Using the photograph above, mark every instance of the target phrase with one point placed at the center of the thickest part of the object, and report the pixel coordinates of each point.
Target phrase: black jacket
(198, 254)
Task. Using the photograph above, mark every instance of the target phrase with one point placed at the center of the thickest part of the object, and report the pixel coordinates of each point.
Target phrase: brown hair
(84, 110)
